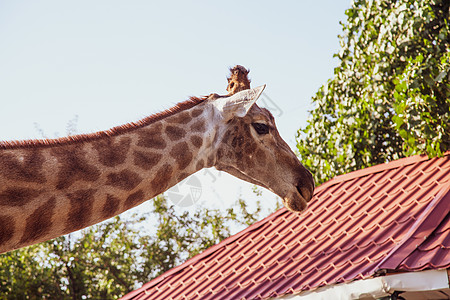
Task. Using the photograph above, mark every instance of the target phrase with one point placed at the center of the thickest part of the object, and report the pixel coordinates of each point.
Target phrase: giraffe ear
(238, 104)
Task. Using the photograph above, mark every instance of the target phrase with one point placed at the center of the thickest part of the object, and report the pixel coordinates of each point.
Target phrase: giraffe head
(247, 145)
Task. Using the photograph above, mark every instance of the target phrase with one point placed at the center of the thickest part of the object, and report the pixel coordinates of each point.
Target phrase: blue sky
(111, 62)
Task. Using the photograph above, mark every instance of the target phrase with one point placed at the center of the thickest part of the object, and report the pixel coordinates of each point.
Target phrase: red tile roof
(393, 216)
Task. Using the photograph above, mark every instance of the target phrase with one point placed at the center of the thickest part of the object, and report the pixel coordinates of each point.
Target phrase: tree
(390, 94)
(112, 258)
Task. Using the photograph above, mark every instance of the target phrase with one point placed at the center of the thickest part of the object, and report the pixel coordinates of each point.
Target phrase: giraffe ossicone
(53, 187)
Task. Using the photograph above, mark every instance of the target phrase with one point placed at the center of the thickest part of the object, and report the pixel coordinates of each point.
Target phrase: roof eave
(378, 287)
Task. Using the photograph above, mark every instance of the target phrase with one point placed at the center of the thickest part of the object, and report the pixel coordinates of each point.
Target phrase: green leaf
(440, 76)
(404, 48)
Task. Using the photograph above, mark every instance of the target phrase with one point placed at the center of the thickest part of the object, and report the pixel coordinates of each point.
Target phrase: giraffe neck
(48, 191)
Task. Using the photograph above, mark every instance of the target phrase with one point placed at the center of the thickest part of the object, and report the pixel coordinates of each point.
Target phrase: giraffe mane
(114, 131)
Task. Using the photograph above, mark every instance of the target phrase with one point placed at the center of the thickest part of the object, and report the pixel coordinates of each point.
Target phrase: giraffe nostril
(305, 192)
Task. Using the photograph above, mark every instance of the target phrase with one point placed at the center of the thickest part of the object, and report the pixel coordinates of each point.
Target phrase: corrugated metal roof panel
(390, 216)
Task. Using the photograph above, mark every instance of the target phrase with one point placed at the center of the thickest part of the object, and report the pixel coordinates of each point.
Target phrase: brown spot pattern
(221, 152)
(28, 169)
(181, 118)
(146, 160)
(225, 138)
(125, 180)
(199, 126)
(151, 139)
(182, 176)
(238, 156)
(175, 133)
(7, 228)
(134, 199)
(39, 223)
(162, 178)
(17, 196)
(200, 164)
(196, 141)
(112, 153)
(74, 166)
(210, 161)
(196, 112)
(81, 204)
(111, 206)
(237, 142)
(181, 154)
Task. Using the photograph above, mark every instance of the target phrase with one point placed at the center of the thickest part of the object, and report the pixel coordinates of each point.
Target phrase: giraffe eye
(261, 128)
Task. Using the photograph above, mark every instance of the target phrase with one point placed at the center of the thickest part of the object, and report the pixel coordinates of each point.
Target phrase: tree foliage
(110, 259)
(390, 94)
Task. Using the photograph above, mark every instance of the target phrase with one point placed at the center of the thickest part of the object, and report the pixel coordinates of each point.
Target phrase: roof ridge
(429, 220)
(379, 168)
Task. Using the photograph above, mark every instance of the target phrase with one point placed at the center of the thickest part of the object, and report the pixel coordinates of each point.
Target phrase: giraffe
(53, 187)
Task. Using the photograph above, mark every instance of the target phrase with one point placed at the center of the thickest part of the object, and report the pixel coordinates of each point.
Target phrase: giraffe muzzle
(297, 200)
